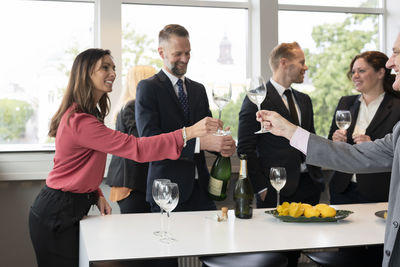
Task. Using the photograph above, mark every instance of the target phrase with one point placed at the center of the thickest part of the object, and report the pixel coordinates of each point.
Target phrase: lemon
(295, 209)
(311, 212)
(284, 212)
(285, 204)
(306, 206)
(320, 206)
(328, 212)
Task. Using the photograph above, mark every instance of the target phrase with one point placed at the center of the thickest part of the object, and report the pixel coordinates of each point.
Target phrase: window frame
(262, 37)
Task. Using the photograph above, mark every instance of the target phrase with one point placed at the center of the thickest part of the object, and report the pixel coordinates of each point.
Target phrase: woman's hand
(203, 127)
(276, 124)
(361, 138)
(339, 136)
(103, 206)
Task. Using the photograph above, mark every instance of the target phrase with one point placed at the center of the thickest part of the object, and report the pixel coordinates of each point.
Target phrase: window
(218, 45)
(330, 41)
(337, 3)
(42, 40)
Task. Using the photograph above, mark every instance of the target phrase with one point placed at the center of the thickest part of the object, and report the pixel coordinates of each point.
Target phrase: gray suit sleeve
(368, 157)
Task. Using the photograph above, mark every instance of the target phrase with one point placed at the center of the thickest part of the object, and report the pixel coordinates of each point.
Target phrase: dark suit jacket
(374, 187)
(126, 172)
(266, 150)
(158, 111)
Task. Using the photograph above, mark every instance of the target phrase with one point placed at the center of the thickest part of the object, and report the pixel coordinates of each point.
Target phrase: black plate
(340, 215)
(381, 213)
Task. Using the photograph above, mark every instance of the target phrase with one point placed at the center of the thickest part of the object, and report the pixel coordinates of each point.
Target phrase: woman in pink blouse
(82, 143)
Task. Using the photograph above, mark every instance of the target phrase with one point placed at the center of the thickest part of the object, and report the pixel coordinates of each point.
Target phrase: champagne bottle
(219, 178)
(243, 194)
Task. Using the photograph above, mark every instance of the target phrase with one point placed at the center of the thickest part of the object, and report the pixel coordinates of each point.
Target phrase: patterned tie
(183, 99)
(292, 108)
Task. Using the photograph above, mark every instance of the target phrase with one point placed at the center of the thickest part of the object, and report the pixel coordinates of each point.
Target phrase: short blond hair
(283, 50)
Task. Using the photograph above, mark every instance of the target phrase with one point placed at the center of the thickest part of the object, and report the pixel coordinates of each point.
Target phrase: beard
(177, 68)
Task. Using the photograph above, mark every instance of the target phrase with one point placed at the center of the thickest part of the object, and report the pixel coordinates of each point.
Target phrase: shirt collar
(377, 100)
(172, 77)
(278, 87)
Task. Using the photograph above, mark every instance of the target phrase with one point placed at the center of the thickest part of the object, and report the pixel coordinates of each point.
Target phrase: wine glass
(221, 93)
(157, 183)
(169, 198)
(256, 91)
(277, 177)
(343, 119)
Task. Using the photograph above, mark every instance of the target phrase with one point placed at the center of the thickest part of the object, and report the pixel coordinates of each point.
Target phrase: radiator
(189, 262)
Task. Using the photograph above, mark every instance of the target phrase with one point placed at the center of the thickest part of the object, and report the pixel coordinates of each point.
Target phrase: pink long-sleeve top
(82, 145)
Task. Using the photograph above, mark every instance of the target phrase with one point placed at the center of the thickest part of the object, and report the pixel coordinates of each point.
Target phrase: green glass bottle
(219, 178)
(243, 194)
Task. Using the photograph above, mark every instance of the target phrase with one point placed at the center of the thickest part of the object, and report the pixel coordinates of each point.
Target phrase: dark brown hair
(171, 29)
(80, 89)
(376, 60)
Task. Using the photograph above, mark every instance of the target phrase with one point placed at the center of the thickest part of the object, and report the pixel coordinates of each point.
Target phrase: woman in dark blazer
(374, 113)
(126, 177)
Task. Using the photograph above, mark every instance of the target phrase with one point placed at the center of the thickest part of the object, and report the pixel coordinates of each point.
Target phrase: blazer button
(387, 252)
(395, 224)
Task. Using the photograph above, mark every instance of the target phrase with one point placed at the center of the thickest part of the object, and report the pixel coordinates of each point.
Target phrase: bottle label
(215, 186)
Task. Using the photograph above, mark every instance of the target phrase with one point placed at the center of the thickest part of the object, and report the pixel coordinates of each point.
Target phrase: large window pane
(330, 41)
(41, 38)
(218, 43)
(339, 3)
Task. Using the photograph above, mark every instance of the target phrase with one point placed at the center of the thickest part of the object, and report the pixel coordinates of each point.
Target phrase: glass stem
(262, 125)
(162, 231)
(277, 198)
(167, 233)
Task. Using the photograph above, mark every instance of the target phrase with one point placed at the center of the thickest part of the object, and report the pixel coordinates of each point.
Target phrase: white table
(130, 236)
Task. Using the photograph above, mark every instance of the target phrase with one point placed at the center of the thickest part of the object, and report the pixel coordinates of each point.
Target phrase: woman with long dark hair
(82, 143)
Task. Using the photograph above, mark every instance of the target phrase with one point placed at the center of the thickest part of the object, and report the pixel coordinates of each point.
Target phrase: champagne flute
(256, 91)
(221, 93)
(169, 196)
(277, 177)
(157, 183)
(343, 119)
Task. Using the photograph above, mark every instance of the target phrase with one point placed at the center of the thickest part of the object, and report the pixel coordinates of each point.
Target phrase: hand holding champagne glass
(169, 198)
(256, 91)
(222, 93)
(277, 177)
(157, 183)
(343, 119)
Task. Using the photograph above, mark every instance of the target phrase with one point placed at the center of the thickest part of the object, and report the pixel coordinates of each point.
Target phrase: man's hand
(223, 144)
(276, 124)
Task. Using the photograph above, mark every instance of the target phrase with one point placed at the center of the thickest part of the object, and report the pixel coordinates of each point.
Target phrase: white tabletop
(130, 236)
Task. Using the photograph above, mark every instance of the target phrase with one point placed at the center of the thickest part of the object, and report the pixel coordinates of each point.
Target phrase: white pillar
(263, 35)
(108, 34)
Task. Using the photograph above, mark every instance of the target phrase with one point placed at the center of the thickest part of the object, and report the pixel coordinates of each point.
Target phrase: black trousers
(134, 203)
(54, 226)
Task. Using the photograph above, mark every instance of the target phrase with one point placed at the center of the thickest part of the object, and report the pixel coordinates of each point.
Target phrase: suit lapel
(380, 115)
(167, 86)
(273, 98)
(191, 95)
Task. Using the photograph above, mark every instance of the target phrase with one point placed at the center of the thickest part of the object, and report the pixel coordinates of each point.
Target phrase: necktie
(292, 108)
(183, 99)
